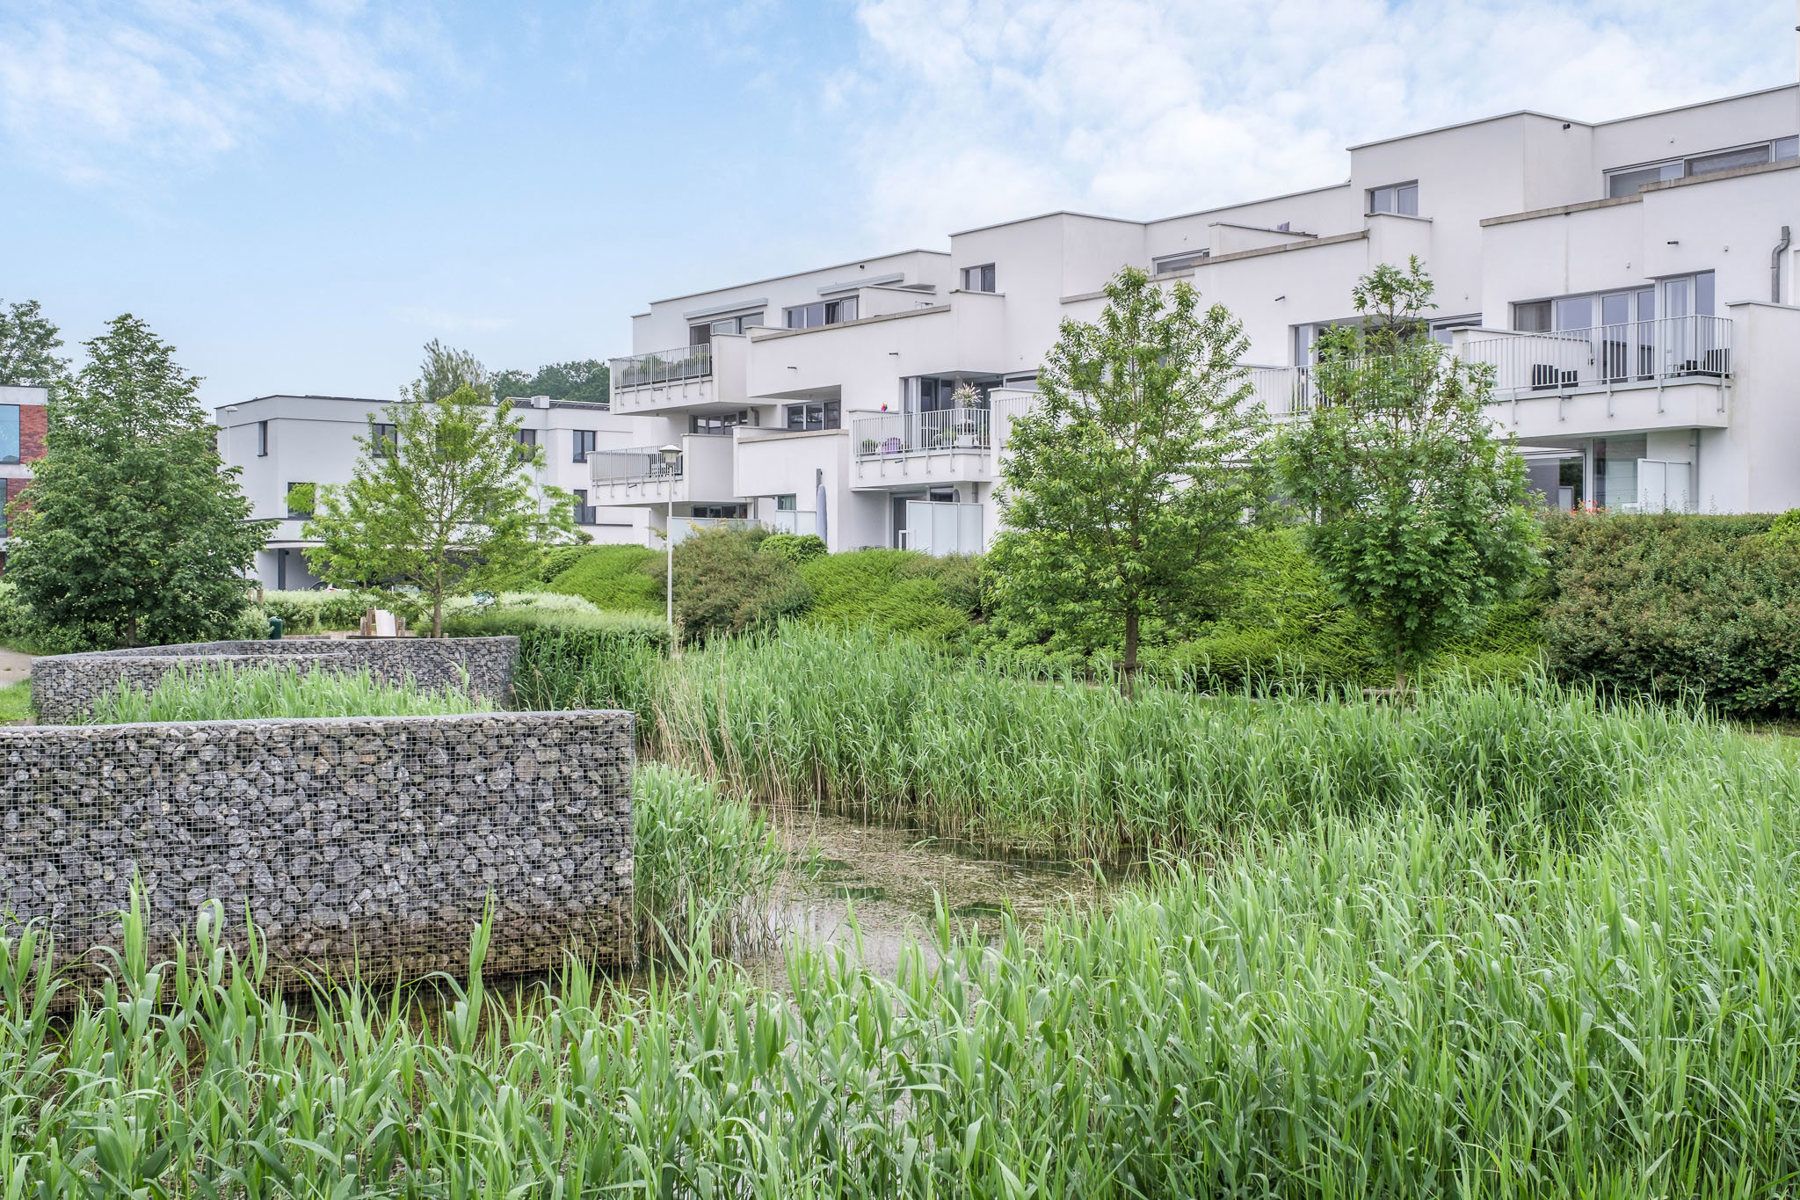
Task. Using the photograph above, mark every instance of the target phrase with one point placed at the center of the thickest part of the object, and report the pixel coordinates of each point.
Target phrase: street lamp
(670, 455)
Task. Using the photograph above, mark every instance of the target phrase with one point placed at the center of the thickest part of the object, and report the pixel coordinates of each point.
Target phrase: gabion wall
(65, 687)
(365, 841)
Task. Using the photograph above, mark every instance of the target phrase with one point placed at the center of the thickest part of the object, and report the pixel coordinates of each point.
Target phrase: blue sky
(298, 195)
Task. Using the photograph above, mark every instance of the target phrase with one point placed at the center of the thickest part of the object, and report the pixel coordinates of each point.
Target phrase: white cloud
(97, 91)
(971, 111)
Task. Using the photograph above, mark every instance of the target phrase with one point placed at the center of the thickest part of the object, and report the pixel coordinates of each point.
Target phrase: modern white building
(280, 441)
(1631, 281)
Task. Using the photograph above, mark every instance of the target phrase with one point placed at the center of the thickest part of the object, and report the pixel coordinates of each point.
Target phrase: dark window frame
(584, 441)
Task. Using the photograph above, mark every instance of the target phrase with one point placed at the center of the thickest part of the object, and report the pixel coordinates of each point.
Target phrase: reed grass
(704, 864)
(227, 691)
(857, 724)
(1386, 1005)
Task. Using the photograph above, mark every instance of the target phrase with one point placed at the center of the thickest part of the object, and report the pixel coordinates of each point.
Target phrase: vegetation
(704, 863)
(1419, 510)
(571, 655)
(585, 381)
(229, 692)
(29, 342)
(132, 532)
(618, 578)
(1128, 483)
(15, 702)
(444, 505)
(1394, 1004)
(894, 591)
(1667, 605)
(321, 610)
(723, 586)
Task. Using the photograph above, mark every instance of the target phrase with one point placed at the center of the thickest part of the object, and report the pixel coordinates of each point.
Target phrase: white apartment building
(1631, 281)
(279, 441)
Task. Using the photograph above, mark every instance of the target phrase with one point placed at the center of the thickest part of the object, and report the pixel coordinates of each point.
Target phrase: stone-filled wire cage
(370, 845)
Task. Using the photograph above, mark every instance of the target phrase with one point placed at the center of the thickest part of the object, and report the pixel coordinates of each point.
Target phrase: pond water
(855, 881)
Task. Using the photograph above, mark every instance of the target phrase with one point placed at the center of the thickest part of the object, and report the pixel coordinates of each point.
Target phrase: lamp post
(670, 455)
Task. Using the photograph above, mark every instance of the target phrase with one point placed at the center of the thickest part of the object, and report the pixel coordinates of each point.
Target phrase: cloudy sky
(300, 194)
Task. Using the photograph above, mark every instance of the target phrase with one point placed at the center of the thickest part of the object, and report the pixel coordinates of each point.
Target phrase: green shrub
(230, 692)
(16, 626)
(893, 591)
(616, 578)
(318, 610)
(570, 657)
(701, 859)
(795, 547)
(723, 586)
(1664, 605)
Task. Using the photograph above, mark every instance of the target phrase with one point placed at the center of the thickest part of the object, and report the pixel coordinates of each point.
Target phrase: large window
(1677, 296)
(702, 333)
(824, 312)
(718, 424)
(978, 279)
(584, 444)
(1168, 264)
(1629, 181)
(9, 433)
(932, 394)
(817, 414)
(720, 512)
(584, 512)
(1400, 198)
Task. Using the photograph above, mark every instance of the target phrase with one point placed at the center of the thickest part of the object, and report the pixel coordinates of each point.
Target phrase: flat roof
(1060, 212)
(855, 262)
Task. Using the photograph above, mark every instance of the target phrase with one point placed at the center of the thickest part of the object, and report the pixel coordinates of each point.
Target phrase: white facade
(1631, 281)
(279, 441)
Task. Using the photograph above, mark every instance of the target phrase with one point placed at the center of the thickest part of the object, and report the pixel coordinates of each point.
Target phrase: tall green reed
(229, 691)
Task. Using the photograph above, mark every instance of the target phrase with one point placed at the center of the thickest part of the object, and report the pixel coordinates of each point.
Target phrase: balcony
(785, 521)
(700, 473)
(903, 449)
(1668, 373)
(681, 378)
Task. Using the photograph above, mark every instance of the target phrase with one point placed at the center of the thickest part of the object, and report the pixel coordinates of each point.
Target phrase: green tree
(28, 345)
(1420, 510)
(449, 502)
(1128, 485)
(132, 532)
(445, 370)
(587, 381)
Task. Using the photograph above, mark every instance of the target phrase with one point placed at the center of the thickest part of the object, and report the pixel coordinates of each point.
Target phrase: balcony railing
(662, 366)
(922, 433)
(786, 521)
(1666, 350)
(644, 462)
(1282, 391)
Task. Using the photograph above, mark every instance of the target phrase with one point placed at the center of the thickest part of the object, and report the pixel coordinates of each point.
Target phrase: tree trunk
(1128, 671)
(437, 615)
(1399, 672)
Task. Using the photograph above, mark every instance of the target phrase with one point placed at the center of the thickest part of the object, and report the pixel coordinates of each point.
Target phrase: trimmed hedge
(615, 578)
(574, 657)
(315, 611)
(1666, 605)
(895, 591)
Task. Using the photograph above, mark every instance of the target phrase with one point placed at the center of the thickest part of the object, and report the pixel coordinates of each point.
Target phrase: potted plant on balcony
(965, 427)
(869, 446)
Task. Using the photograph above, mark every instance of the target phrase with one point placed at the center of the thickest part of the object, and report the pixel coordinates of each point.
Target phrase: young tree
(132, 532)
(1420, 509)
(447, 502)
(445, 370)
(1128, 486)
(586, 382)
(28, 345)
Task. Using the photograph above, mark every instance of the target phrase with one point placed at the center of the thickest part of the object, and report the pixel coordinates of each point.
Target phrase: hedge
(895, 591)
(615, 578)
(572, 655)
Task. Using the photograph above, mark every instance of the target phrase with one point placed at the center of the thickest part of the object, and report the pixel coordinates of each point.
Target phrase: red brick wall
(32, 421)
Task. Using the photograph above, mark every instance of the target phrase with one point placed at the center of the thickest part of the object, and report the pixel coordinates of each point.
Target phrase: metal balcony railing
(922, 433)
(662, 366)
(1665, 350)
(640, 463)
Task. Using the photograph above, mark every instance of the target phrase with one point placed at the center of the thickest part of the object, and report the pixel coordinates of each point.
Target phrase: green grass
(1386, 1006)
(230, 692)
(15, 702)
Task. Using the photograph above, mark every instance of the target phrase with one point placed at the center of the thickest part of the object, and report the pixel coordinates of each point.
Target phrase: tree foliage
(585, 381)
(1420, 509)
(28, 344)
(1128, 485)
(446, 503)
(132, 532)
(445, 370)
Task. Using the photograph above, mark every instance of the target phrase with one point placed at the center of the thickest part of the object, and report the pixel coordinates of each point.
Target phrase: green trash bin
(274, 629)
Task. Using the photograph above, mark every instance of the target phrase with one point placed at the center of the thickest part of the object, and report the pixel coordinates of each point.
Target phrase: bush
(616, 578)
(303, 612)
(573, 657)
(723, 586)
(893, 591)
(795, 547)
(1660, 605)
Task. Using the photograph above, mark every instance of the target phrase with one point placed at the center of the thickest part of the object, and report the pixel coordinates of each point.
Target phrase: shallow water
(876, 887)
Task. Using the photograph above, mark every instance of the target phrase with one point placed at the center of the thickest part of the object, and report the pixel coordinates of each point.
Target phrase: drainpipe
(1775, 266)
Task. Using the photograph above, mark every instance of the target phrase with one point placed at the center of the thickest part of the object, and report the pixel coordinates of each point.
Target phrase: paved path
(14, 666)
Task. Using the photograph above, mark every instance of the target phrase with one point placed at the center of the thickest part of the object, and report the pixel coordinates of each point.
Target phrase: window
(702, 334)
(787, 503)
(720, 512)
(1443, 328)
(584, 512)
(1401, 198)
(978, 279)
(1187, 261)
(300, 499)
(816, 414)
(939, 395)
(262, 439)
(719, 424)
(9, 433)
(584, 444)
(528, 441)
(1681, 296)
(1629, 181)
(385, 440)
(824, 312)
